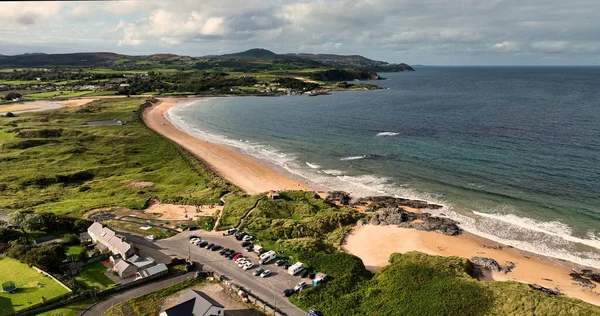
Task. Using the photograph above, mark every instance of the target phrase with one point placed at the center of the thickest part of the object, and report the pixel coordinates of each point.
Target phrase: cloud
(422, 31)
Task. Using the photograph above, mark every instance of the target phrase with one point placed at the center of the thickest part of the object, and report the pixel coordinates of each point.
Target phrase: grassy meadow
(92, 275)
(50, 162)
(26, 279)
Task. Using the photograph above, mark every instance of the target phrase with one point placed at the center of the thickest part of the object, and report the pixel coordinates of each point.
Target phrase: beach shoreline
(373, 244)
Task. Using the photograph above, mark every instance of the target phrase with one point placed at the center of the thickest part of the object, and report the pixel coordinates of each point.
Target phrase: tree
(19, 219)
(3, 223)
(10, 114)
(12, 95)
(82, 224)
(70, 239)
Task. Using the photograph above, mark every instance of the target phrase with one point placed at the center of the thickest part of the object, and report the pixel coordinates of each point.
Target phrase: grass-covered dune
(420, 284)
(50, 162)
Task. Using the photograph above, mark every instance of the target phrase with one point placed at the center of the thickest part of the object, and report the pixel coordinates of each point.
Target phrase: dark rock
(582, 281)
(374, 203)
(544, 289)
(338, 196)
(509, 266)
(590, 274)
(423, 221)
(491, 247)
(487, 263)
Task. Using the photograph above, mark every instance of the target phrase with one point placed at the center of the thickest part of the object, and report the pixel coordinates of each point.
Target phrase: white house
(101, 234)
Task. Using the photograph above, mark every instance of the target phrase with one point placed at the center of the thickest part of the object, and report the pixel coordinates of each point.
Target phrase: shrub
(70, 239)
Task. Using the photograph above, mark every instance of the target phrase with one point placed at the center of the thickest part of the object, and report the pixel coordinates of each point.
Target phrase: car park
(279, 262)
(288, 292)
(265, 273)
(246, 243)
(258, 271)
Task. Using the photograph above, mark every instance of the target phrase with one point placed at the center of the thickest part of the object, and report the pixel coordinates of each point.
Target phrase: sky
(418, 32)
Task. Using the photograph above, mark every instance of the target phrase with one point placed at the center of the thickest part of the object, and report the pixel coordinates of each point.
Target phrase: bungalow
(124, 269)
(159, 269)
(195, 303)
(105, 236)
(273, 195)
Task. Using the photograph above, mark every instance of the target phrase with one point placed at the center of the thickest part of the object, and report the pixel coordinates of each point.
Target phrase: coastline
(242, 171)
(373, 244)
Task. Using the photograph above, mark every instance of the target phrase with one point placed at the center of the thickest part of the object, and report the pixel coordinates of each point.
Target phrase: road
(268, 289)
(4, 216)
(102, 306)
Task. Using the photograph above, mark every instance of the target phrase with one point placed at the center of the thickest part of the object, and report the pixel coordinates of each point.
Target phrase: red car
(236, 256)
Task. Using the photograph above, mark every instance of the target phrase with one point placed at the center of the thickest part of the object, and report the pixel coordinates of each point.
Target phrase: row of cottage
(126, 262)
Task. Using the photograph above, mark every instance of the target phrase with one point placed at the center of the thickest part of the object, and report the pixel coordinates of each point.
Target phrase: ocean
(513, 153)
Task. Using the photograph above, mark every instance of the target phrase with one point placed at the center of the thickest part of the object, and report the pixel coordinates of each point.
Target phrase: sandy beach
(32, 106)
(374, 244)
(242, 171)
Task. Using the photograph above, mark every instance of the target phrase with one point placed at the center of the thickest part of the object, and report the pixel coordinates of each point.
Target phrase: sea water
(513, 153)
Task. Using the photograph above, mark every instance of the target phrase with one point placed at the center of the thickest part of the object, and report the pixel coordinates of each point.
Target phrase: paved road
(268, 289)
(102, 306)
(4, 216)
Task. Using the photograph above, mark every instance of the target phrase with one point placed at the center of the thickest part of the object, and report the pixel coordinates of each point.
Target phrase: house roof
(121, 266)
(182, 309)
(108, 237)
(203, 302)
(140, 261)
(153, 270)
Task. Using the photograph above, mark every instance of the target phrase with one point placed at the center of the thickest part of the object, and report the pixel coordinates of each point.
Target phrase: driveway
(268, 289)
(102, 306)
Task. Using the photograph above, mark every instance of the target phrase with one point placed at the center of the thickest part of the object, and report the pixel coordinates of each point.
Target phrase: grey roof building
(116, 244)
(195, 303)
(156, 270)
(125, 269)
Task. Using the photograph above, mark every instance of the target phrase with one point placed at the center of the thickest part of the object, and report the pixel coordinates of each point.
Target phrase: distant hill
(354, 61)
(104, 59)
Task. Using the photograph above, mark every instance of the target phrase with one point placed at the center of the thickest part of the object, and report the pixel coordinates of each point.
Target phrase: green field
(92, 275)
(21, 82)
(53, 164)
(73, 251)
(56, 95)
(69, 310)
(26, 279)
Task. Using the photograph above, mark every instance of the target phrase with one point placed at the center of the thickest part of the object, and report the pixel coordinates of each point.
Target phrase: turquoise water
(512, 153)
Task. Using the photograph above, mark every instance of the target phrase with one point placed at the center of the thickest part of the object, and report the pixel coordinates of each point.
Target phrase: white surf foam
(312, 165)
(388, 134)
(551, 238)
(353, 158)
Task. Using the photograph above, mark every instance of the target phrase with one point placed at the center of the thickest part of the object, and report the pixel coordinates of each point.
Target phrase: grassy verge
(50, 162)
(149, 304)
(92, 275)
(32, 287)
(69, 310)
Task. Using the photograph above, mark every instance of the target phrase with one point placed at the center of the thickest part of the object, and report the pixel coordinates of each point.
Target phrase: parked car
(193, 236)
(236, 256)
(240, 235)
(231, 255)
(194, 240)
(246, 243)
(230, 231)
(191, 228)
(303, 273)
(247, 238)
(286, 265)
(279, 262)
(209, 245)
(203, 244)
(312, 312)
(223, 251)
(258, 271)
(288, 292)
(216, 247)
(311, 275)
(250, 248)
(300, 286)
(248, 265)
(265, 273)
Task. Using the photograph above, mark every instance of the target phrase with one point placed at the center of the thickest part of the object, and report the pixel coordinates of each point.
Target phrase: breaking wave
(388, 134)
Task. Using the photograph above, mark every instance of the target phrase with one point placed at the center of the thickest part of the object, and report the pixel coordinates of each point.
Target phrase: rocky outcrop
(486, 263)
(590, 274)
(420, 221)
(374, 203)
(338, 196)
(581, 280)
(544, 289)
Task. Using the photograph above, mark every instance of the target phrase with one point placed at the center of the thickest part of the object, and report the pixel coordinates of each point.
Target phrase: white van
(295, 268)
(267, 257)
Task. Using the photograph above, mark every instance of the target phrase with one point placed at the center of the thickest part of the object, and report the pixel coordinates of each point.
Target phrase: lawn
(73, 250)
(69, 310)
(92, 275)
(26, 279)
